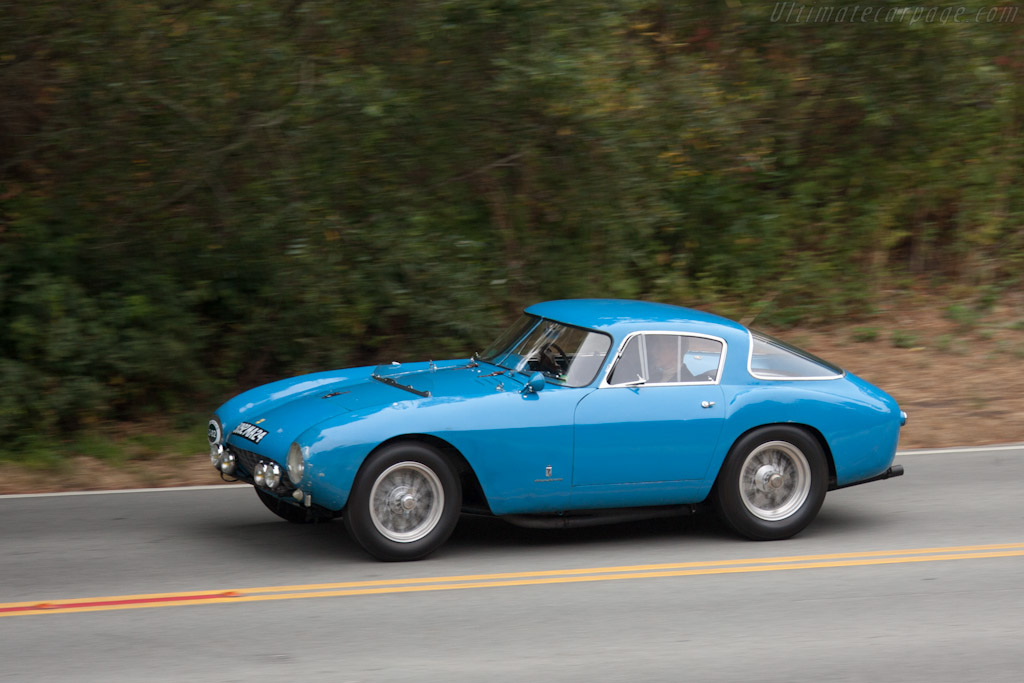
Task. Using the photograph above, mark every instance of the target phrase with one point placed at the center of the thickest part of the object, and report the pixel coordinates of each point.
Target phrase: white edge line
(216, 487)
(967, 449)
(55, 494)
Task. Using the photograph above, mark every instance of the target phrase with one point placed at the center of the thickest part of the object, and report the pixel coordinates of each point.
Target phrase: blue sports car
(582, 412)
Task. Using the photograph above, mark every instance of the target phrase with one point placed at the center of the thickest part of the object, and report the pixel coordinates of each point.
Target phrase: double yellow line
(533, 578)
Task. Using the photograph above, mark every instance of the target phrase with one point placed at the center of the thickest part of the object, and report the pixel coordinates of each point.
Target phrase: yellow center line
(532, 578)
(631, 568)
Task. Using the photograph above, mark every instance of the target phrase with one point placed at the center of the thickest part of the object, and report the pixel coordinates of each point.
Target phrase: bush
(199, 196)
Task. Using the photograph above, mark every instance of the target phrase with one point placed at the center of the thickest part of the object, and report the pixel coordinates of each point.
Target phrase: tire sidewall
(728, 499)
(357, 516)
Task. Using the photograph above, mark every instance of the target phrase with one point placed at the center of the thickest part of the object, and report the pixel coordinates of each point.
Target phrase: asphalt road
(915, 579)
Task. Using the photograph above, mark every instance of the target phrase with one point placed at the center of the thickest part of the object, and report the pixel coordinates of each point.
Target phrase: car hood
(273, 425)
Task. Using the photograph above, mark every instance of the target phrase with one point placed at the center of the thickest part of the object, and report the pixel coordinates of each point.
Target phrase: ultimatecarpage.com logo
(798, 13)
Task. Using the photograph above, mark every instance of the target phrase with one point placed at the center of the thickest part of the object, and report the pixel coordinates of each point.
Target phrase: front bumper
(246, 464)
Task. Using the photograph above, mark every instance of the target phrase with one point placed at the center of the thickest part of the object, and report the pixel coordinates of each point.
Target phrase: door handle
(707, 404)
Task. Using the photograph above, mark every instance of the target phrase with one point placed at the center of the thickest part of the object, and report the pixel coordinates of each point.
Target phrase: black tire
(290, 512)
(772, 483)
(405, 502)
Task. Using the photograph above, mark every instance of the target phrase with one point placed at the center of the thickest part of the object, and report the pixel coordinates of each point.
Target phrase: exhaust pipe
(894, 471)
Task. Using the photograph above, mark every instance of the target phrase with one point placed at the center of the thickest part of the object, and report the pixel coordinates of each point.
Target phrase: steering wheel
(552, 363)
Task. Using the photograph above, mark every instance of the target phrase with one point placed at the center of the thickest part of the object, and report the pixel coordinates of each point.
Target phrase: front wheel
(405, 502)
(772, 484)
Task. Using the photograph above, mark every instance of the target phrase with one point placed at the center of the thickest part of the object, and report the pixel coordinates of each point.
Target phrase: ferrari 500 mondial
(583, 411)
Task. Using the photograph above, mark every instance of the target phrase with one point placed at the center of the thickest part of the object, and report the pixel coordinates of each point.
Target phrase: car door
(658, 416)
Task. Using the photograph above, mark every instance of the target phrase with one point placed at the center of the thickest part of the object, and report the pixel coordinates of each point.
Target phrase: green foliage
(200, 196)
(865, 334)
(964, 317)
(902, 339)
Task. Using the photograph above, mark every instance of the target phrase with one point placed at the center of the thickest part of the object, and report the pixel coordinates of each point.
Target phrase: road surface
(919, 578)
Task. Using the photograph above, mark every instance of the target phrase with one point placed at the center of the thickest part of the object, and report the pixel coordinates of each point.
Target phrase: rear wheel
(405, 502)
(772, 483)
(285, 510)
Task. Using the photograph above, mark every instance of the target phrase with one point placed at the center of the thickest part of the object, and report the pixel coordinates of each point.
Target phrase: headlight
(296, 464)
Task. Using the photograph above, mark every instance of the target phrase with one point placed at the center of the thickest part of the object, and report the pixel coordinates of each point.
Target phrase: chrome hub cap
(768, 478)
(406, 502)
(775, 481)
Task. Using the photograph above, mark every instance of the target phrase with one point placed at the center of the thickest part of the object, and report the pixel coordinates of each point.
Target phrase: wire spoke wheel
(772, 483)
(406, 502)
(775, 480)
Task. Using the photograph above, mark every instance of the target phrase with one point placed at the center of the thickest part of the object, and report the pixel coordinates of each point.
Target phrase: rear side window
(668, 358)
(771, 358)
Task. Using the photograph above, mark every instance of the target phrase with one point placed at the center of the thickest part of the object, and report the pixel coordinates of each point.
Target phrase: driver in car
(665, 355)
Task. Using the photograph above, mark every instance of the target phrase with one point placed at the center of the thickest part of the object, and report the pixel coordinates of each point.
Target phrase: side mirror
(535, 383)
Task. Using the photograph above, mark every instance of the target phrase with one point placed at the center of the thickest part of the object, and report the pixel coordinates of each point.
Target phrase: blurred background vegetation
(196, 196)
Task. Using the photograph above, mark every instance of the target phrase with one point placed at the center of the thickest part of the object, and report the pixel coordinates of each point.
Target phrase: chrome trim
(643, 357)
(750, 368)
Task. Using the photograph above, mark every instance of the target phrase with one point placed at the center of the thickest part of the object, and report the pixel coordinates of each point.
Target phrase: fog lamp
(227, 462)
(216, 451)
(259, 474)
(272, 477)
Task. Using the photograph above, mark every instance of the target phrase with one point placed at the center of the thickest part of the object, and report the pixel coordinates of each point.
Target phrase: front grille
(246, 460)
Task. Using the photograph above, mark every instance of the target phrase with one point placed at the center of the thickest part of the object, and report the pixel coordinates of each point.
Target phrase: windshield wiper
(492, 361)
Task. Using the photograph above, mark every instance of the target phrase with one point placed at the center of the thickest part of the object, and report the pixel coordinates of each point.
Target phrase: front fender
(509, 439)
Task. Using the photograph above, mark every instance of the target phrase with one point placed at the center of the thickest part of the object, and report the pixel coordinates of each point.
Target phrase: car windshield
(506, 341)
(571, 356)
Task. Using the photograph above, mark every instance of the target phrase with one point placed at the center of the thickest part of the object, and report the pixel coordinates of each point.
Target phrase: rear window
(771, 358)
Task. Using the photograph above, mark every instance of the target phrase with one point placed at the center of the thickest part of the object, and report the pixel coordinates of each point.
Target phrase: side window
(676, 358)
(703, 358)
(628, 368)
(665, 354)
(668, 359)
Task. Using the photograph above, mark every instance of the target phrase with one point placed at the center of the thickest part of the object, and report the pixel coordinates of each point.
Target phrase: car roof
(620, 316)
